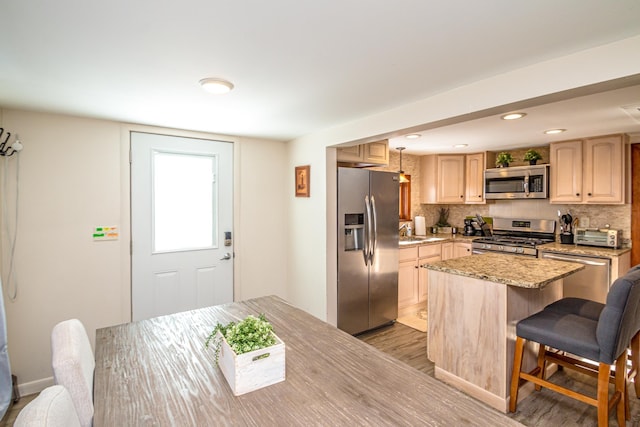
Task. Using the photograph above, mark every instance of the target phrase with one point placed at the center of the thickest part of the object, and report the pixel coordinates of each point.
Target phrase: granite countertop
(594, 251)
(445, 238)
(512, 270)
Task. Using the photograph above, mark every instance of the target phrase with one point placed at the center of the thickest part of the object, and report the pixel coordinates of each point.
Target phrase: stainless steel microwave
(517, 182)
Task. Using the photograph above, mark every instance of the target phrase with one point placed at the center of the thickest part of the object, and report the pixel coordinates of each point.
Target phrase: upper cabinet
(372, 154)
(474, 180)
(592, 170)
(452, 178)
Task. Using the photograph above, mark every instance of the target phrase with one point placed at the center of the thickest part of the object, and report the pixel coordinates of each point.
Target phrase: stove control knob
(520, 250)
(501, 248)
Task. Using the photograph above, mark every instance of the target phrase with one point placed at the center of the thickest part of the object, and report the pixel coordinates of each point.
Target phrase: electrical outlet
(584, 222)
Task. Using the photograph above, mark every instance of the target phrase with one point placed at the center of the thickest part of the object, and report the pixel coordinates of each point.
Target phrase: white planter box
(251, 371)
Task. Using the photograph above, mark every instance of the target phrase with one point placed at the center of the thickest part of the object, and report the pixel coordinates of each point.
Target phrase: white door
(181, 224)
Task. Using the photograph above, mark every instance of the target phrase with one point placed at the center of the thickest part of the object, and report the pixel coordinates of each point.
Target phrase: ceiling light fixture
(460, 145)
(216, 86)
(513, 116)
(403, 177)
(554, 131)
(413, 136)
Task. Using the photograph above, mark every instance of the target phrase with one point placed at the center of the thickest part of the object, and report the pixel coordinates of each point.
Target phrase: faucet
(407, 229)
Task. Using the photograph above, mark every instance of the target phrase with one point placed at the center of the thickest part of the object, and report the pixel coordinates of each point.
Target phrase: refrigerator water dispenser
(353, 232)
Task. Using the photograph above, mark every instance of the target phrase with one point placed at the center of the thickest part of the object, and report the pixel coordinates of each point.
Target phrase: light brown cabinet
(407, 278)
(374, 153)
(474, 179)
(592, 170)
(452, 178)
(461, 249)
(442, 179)
(413, 280)
(426, 255)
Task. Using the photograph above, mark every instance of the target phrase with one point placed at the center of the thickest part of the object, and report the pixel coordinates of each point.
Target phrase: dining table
(158, 372)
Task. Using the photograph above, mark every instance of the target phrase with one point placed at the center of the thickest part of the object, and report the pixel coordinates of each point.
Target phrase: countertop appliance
(516, 236)
(367, 249)
(607, 237)
(517, 182)
(590, 283)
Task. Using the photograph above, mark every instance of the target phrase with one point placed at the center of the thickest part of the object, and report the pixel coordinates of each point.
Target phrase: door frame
(126, 282)
(635, 204)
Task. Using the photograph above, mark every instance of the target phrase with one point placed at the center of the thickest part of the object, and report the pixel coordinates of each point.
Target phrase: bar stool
(603, 341)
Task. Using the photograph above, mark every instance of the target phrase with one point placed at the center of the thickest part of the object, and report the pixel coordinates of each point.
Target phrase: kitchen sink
(419, 239)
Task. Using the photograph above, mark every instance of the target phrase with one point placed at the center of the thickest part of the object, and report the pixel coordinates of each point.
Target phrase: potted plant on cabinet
(443, 221)
(503, 159)
(249, 354)
(532, 156)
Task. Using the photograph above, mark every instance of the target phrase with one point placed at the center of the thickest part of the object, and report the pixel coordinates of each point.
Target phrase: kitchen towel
(420, 227)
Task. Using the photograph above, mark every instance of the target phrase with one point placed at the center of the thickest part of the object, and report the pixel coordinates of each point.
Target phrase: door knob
(226, 256)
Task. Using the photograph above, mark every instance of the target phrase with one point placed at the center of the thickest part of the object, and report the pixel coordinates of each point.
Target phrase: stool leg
(603, 394)
(621, 388)
(515, 374)
(542, 364)
(635, 361)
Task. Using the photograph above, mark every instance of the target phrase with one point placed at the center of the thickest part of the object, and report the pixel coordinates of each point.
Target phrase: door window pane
(184, 197)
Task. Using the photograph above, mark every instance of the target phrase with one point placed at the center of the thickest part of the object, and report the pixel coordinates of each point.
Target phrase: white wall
(612, 61)
(74, 175)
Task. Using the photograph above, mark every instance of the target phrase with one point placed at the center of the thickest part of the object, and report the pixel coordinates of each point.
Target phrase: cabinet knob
(577, 194)
(462, 197)
(589, 194)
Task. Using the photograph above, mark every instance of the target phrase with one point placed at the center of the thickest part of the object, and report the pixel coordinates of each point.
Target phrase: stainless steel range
(516, 236)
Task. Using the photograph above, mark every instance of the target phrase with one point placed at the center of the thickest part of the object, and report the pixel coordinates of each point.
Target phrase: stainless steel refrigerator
(367, 249)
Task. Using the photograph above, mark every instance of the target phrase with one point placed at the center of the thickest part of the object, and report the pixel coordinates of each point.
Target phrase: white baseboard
(34, 387)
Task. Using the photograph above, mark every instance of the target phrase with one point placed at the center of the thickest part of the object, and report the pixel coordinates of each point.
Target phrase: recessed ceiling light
(216, 86)
(513, 116)
(413, 136)
(554, 131)
(460, 145)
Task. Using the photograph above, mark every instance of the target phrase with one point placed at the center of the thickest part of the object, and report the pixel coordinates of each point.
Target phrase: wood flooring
(544, 408)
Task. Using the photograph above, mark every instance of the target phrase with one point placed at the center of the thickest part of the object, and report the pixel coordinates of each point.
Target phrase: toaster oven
(606, 237)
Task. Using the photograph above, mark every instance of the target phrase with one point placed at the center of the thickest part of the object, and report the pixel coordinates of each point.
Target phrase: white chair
(52, 408)
(73, 366)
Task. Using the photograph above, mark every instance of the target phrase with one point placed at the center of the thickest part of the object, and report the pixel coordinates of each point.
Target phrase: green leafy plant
(532, 155)
(252, 333)
(504, 158)
(443, 218)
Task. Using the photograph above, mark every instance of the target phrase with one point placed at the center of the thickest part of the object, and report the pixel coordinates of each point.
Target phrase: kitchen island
(474, 304)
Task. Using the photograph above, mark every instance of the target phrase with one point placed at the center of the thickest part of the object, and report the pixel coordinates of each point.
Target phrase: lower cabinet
(413, 283)
(407, 278)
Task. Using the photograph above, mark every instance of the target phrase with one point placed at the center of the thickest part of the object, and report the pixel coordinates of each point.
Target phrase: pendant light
(403, 177)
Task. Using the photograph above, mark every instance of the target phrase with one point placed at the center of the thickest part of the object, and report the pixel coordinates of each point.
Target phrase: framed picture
(303, 181)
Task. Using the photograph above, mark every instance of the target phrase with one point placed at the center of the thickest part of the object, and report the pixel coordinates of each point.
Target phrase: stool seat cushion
(568, 332)
(580, 306)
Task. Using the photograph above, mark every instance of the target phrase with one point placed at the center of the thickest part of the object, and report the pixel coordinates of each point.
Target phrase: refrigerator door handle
(374, 244)
(367, 231)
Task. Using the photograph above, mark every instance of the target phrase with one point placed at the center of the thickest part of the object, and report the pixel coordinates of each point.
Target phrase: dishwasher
(590, 283)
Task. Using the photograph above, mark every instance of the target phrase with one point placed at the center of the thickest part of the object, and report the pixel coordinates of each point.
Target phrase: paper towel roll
(420, 227)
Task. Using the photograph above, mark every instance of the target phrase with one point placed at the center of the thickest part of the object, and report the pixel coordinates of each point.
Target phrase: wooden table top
(157, 372)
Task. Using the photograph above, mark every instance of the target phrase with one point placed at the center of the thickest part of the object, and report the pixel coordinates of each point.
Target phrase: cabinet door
(565, 172)
(447, 251)
(377, 152)
(354, 153)
(423, 276)
(461, 249)
(407, 283)
(604, 170)
(474, 169)
(450, 179)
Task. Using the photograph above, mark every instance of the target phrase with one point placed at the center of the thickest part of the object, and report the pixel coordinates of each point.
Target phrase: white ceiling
(298, 66)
